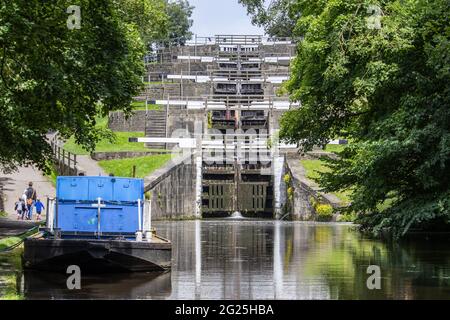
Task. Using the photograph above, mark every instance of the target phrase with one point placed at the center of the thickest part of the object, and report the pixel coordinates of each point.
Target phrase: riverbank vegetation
(9, 278)
(314, 169)
(94, 64)
(144, 165)
(276, 16)
(52, 174)
(6, 243)
(380, 79)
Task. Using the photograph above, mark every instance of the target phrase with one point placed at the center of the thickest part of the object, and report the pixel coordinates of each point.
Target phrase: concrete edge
(299, 176)
(160, 174)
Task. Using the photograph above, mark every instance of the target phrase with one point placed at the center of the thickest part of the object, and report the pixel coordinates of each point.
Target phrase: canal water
(248, 259)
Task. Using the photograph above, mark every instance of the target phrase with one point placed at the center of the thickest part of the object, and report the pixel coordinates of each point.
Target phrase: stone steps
(156, 127)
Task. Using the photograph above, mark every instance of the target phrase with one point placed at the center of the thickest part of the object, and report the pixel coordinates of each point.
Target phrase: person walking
(39, 206)
(20, 208)
(31, 199)
(24, 201)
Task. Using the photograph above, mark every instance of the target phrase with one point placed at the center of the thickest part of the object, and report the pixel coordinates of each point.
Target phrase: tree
(56, 79)
(180, 22)
(380, 76)
(277, 18)
(150, 17)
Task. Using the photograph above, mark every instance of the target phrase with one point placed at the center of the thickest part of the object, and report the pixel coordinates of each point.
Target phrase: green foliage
(335, 148)
(287, 178)
(179, 13)
(52, 174)
(282, 91)
(144, 165)
(347, 217)
(210, 123)
(324, 212)
(9, 287)
(140, 105)
(388, 91)
(3, 214)
(11, 263)
(273, 140)
(290, 193)
(315, 169)
(5, 243)
(56, 79)
(148, 16)
(120, 143)
(277, 18)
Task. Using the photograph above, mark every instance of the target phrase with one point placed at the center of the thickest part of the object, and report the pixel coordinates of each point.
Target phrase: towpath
(15, 183)
(90, 167)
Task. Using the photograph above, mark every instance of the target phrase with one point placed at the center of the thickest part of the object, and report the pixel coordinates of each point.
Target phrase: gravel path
(89, 166)
(15, 183)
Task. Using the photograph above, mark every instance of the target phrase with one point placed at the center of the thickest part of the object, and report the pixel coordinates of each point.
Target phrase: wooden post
(134, 171)
(58, 159)
(68, 165)
(64, 162)
(75, 164)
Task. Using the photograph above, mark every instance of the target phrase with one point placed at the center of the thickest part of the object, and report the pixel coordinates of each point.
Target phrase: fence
(65, 162)
(2, 205)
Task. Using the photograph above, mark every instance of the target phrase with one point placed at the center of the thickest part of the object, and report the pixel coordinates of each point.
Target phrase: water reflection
(43, 285)
(247, 259)
(284, 260)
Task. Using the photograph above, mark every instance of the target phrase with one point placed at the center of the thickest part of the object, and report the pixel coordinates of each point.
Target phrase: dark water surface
(247, 259)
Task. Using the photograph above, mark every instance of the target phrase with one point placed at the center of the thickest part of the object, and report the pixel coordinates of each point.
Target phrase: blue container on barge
(101, 224)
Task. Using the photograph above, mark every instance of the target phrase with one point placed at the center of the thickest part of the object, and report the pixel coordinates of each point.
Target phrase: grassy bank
(11, 263)
(314, 168)
(120, 144)
(334, 148)
(144, 165)
(140, 105)
(154, 82)
(10, 241)
(52, 175)
(9, 284)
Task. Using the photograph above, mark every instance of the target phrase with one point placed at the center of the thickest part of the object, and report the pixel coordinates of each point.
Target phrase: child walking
(39, 206)
(20, 208)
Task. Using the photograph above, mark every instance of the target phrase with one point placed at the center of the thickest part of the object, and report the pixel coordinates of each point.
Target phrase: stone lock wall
(186, 89)
(304, 189)
(135, 123)
(177, 119)
(185, 119)
(172, 191)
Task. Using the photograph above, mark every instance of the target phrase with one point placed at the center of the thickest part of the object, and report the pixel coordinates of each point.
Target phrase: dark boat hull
(141, 285)
(96, 256)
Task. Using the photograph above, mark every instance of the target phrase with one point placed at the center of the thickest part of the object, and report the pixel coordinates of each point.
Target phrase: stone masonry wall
(172, 191)
(185, 119)
(118, 122)
(176, 89)
(177, 119)
(304, 189)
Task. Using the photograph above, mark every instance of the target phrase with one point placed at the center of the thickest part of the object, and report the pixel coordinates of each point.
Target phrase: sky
(213, 17)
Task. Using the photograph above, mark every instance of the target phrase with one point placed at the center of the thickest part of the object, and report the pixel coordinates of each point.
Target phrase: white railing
(147, 220)
(50, 214)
